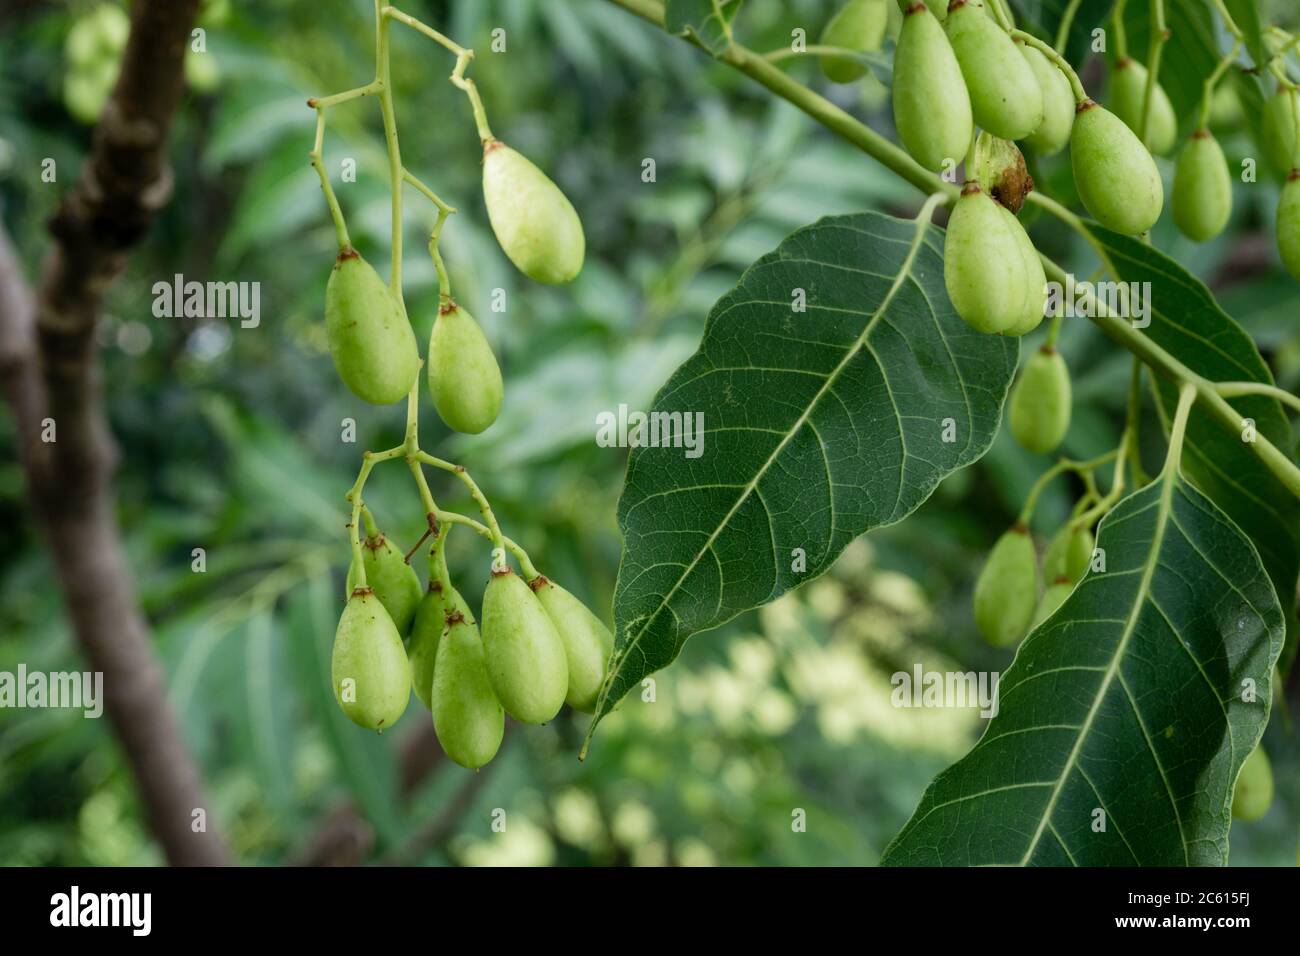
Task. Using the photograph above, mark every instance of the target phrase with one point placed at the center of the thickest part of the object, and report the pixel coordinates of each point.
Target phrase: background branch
(50, 373)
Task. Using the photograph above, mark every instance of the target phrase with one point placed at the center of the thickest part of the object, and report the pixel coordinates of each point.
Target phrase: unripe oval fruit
(984, 265)
(1004, 93)
(1288, 225)
(1035, 277)
(430, 622)
(1202, 198)
(372, 680)
(371, 342)
(525, 655)
(467, 717)
(1069, 554)
(1254, 792)
(1058, 103)
(394, 581)
(464, 377)
(1117, 179)
(1128, 89)
(588, 643)
(534, 222)
(1007, 589)
(1052, 600)
(1278, 129)
(858, 25)
(931, 106)
(1039, 409)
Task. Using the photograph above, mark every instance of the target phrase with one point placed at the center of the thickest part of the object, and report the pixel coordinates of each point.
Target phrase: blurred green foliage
(230, 442)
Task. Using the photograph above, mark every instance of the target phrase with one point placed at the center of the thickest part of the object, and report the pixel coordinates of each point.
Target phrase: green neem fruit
(370, 340)
(113, 26)
(587, 641)
(534, 222)
(1052, 600)
(372, 680)
(1004, 93)
(1288, 225)
(464, 378)
(1116, 177)
(984, 264)
(1035, 278)
(1202, 198)
(1007, 589)
(931, 106)
(525, 655)
(858, 25)
(1039, 409)
(1069, 554)
(1278, 129)
(467, 717)
(394, 581)
(1128, 89)
(430, 621)
(1058, 103)
(1254, 793)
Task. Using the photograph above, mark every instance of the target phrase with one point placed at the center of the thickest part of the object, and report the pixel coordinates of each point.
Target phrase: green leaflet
(819, 425)
(1188, 323)
(1124, 706)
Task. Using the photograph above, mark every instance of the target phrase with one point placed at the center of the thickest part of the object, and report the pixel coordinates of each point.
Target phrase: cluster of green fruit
(539, 647)
(93, 49)
(370, 337)
(1008, 603)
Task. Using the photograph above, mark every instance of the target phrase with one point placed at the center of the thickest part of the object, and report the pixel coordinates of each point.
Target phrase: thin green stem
(1121, 34)
(816, 49)
(459, 80)
(1186, 397)
(1238, 389)
(317, 155)
(1076, 86)
(368, 462)
(1133, 424)
(451, 517)
(1159, 36)
(1002, 15)
(1060, 468)
(1067, 21)
(1211, 81)
(475, 492)
(1228, 21)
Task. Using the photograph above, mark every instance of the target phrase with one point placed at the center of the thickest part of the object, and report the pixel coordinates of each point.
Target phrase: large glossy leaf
(708, 21)
(1121, 725)
(1187, 322)
(819, 425)
(1245, 13)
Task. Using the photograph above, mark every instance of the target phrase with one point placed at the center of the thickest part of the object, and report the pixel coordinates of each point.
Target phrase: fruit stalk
(1159, 36)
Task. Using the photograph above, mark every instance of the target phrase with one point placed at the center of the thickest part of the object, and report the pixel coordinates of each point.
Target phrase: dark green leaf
(1124, 708)
(1245, 13)
(819, 425)
(1187, 322)
(708, 21)
(1043, 17)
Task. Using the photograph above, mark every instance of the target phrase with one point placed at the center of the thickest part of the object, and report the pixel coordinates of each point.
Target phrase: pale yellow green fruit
(858, 25)
(464, 377)
(931, 106)
(1278, 129)
(1288, 226)
(1035, 277)
(1051, 601)
(534, 222)
(1254, 792)
(1068, 554)
(430, 621)
(1117, 179)
(526, 659)
(1128, 90)
(588, 643)
(369, 671)
(1006, 591)
(1004, 94)
(1202, 195)
(394, 581)
(467, 717)
(1038, 411)
(371, 342)
(1058, 103)
(985, 268)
